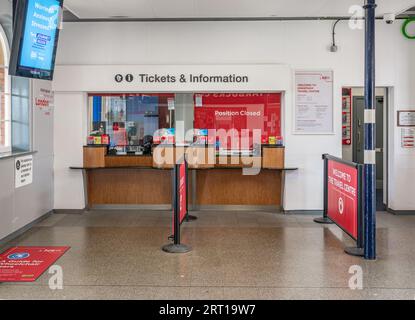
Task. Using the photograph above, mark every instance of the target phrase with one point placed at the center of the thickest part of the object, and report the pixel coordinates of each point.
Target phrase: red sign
(239, 111)
(26, 264)
(342, 191)
(181, 195)
(182, 192)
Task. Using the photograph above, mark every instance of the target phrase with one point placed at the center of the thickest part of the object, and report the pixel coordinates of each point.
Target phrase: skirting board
(69, 211)
(234, 208)
(22, 230)
(305, 212)
(401, 212)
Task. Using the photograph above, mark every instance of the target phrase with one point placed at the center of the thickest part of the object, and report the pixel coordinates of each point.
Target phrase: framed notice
(23, 171)
(313, 112)
(406, 118)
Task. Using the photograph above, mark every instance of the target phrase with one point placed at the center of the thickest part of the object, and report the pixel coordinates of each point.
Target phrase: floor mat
(26, 264)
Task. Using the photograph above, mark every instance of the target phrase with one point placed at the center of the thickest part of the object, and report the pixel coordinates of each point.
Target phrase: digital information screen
(37, 36)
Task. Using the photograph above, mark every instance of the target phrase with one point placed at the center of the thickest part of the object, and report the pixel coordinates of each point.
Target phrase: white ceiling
(155, 9)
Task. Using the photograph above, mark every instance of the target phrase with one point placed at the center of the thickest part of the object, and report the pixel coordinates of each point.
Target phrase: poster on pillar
(313, 112)
(342, 194)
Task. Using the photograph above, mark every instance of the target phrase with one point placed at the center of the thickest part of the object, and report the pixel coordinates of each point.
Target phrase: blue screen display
(39, 35)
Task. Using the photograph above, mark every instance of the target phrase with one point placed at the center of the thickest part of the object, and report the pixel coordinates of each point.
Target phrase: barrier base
(323, 220)
(356, 252)
(190, 218)
(176, 248)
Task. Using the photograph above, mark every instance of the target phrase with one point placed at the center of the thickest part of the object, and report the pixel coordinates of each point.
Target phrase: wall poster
(313, 112)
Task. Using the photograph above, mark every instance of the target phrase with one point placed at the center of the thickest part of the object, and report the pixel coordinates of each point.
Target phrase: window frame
(7, 147)
(124, 94)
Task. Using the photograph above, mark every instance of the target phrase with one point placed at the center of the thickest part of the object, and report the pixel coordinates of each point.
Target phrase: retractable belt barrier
(343, 199)
(180, 207)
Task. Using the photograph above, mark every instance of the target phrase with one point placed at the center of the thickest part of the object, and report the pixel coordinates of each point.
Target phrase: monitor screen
(35, 37)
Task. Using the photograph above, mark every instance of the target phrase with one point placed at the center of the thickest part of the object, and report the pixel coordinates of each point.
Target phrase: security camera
(389, 18)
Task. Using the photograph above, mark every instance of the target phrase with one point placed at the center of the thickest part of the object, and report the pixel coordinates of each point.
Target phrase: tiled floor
(236, 255)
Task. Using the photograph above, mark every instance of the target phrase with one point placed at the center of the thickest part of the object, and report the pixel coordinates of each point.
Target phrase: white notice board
(23, 171)
(313, 112)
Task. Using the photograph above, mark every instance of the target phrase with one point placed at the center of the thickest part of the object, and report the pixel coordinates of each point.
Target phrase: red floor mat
(26, 264)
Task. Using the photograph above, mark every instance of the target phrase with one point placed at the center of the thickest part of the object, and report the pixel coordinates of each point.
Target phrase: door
(358, 141)
(358, 129)
(379, 142)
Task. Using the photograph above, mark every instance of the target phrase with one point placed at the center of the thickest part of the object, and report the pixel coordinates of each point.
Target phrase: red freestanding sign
(26, 264)
(182, 192)
(343, 196)
(179, 208)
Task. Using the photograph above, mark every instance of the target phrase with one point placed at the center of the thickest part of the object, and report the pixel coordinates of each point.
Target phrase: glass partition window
(129, 120)
(15, 107)
(239, 115)
(21, 114)
(5, 140)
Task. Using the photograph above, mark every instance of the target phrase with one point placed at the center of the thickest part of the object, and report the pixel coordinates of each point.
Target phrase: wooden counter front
(129, 187)
(128, 161)
(138, 180)
(230, 187)
(94, 157)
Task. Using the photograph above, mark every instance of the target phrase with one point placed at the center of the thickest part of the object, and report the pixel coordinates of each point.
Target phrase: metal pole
(325, 219)
(370, 134)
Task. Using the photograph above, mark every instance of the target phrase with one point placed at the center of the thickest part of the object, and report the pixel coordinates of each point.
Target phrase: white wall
(20, 207)
(70, 133)
(300, 45)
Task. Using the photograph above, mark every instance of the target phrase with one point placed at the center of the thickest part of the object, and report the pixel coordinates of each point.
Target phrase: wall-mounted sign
(406, 118)
(408, 138)
(43, 97)
(173, 78)
(313, 102)
(347, 116)
(182, 78)
(23, 171)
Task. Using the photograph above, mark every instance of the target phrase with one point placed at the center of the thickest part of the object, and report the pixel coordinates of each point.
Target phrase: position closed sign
(23, 167)
(343, 196)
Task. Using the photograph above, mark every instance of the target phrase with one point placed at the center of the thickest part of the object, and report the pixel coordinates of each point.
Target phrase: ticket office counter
(130, 181)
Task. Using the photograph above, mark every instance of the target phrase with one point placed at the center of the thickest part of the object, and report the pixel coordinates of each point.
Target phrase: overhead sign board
(35, 38)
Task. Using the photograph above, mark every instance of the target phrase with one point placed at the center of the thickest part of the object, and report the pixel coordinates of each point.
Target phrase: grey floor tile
(236, 255)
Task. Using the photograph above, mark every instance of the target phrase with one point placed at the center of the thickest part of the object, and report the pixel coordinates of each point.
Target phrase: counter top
(154, 168)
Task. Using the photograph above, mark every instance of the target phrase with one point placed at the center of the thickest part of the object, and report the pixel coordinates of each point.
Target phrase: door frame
(387, 115)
